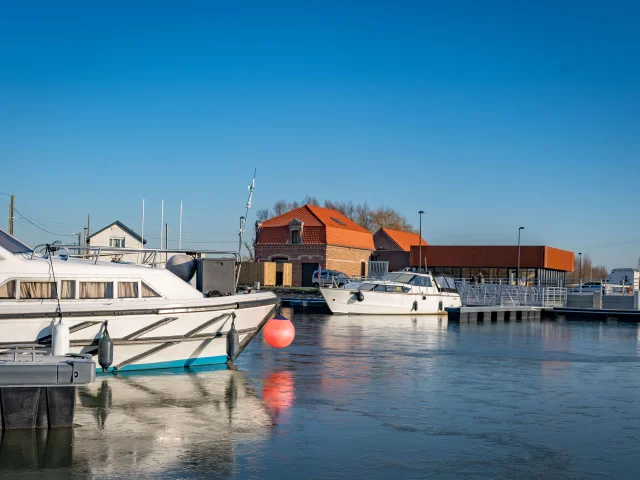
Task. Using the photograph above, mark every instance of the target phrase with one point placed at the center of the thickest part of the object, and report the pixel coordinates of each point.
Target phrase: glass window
(379, 288)
(295, 236)
(367, 286)
(466, 273)
(68, 289)
(396, 288)
(38, 290)
(405, 277)
(96, 289)
(116, 242)
(127, 289)
(8, 290)
(337, 221)
(148, 292)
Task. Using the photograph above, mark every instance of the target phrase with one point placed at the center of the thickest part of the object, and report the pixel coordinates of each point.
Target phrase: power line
(24, 217)
(612, 244)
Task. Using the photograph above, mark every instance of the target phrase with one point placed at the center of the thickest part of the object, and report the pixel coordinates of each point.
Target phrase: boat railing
(150, 256)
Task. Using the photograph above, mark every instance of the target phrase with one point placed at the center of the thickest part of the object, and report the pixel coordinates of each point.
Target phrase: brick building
(311, 236)
(393, 246)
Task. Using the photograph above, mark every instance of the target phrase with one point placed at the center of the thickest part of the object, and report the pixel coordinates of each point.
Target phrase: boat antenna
(243, 222)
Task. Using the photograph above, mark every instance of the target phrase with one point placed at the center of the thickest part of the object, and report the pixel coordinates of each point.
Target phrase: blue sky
(487, 115)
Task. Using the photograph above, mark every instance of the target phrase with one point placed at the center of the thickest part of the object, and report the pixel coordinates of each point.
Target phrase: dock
(494, 313)
(38, 390)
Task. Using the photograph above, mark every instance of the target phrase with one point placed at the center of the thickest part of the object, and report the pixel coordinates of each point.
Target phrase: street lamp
(518, 269)
(580, 254)
(421, 212)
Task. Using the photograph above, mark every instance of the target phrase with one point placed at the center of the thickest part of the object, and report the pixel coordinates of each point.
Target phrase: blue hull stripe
(188, 362)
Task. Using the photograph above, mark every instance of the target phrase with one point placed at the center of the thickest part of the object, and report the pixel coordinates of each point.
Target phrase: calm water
(367, 397)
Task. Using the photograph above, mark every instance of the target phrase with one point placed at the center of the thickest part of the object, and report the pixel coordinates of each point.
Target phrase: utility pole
(421, 212)
(88, 226)
(518, 269)
(180, 237)
(166, 241)
(13, 199)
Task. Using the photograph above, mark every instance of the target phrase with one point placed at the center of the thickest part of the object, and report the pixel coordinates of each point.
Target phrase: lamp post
(518, 269)
(580, 280)
(421, 212)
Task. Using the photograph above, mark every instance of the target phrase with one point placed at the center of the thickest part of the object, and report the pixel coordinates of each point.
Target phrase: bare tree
(589, 270)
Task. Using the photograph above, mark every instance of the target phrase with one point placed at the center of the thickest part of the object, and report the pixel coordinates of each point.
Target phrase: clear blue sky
(487, 115)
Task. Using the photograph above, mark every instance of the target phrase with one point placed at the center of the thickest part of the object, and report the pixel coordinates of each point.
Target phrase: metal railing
(510, 295)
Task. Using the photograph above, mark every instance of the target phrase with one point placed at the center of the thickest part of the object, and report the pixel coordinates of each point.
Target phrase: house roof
(118, 223)
(321, 225)
(404, 240)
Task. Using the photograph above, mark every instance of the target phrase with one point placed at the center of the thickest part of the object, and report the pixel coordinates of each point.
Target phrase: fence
(510, 295)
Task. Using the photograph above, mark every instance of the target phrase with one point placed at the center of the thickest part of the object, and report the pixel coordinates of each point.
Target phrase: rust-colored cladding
(494, 256)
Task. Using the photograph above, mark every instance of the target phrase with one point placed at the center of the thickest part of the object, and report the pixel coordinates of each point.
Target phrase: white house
(117, 234)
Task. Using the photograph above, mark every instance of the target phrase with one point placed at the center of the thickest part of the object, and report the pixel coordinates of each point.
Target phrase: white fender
(60, 339)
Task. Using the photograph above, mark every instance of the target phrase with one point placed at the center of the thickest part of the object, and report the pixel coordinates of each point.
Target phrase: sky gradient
(486, 115)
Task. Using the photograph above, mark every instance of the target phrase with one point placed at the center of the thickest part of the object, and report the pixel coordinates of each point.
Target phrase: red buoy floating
(279, 332)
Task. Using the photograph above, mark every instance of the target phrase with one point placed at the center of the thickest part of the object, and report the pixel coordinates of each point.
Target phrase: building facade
(394, 246)
(311, 237)
(538, 264)
(118, 235)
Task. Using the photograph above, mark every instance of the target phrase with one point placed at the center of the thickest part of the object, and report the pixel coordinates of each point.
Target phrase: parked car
(329, 278)
(589, 287)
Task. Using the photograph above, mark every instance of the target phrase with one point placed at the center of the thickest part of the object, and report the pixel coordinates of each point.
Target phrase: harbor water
(366, 397)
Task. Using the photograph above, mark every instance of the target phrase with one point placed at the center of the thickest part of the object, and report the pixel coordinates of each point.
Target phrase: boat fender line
(105, 349)
(359, 296)
(415, 306)
(233, 341)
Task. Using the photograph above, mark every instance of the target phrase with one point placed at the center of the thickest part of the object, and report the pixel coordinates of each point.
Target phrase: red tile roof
(404, 239)
(321, 225)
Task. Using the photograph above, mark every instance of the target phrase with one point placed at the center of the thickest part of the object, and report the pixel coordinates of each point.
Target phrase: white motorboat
(155, 319)
(396, 293)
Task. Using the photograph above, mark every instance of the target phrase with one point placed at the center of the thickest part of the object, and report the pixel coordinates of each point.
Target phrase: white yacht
(155, 319)
(396, 293)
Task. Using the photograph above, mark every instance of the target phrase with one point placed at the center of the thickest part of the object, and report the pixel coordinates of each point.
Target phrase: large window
(96, 290)
(68, 289)
(127, 289)
(8, 290)
(116, 242)
(295, 236)
(148, 292)
(38, 290)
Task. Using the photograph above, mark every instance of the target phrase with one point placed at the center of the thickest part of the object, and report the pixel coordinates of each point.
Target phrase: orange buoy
(279, 332)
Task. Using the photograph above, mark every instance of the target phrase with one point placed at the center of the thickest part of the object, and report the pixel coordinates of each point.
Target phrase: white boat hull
(345, 302)
(179, 336)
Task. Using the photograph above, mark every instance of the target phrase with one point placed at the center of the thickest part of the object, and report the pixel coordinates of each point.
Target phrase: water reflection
(157, 423)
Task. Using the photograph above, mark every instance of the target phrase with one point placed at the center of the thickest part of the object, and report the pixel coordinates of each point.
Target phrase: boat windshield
(446, 284)
(400, 277)
(12, 244)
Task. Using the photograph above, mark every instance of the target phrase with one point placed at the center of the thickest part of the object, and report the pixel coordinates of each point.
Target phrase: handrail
(98, 250)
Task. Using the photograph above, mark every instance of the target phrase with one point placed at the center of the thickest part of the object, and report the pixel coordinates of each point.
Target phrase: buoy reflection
(278, 394)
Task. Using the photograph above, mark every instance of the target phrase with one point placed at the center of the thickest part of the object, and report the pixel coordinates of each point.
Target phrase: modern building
(538, 264)
(117, 234)
(394, 246)
(309, 237)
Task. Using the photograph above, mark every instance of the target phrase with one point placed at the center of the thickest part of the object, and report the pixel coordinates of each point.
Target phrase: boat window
(367, 286)
(68, 289)
(96, 290)
(8, 290)
(379, 288)
(38, 290)
(148, 292)
(405, 277)
(391, 277)
(396, 288)
(127, 289)
(406, 289)
(420, 281)
(12, 244)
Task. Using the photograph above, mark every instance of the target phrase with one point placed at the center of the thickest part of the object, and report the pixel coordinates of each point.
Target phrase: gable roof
(321, 225)
(118, 223)
(404, 240)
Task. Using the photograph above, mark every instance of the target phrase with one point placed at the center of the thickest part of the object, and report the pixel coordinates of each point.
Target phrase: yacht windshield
(12, 244)
(399, 277)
